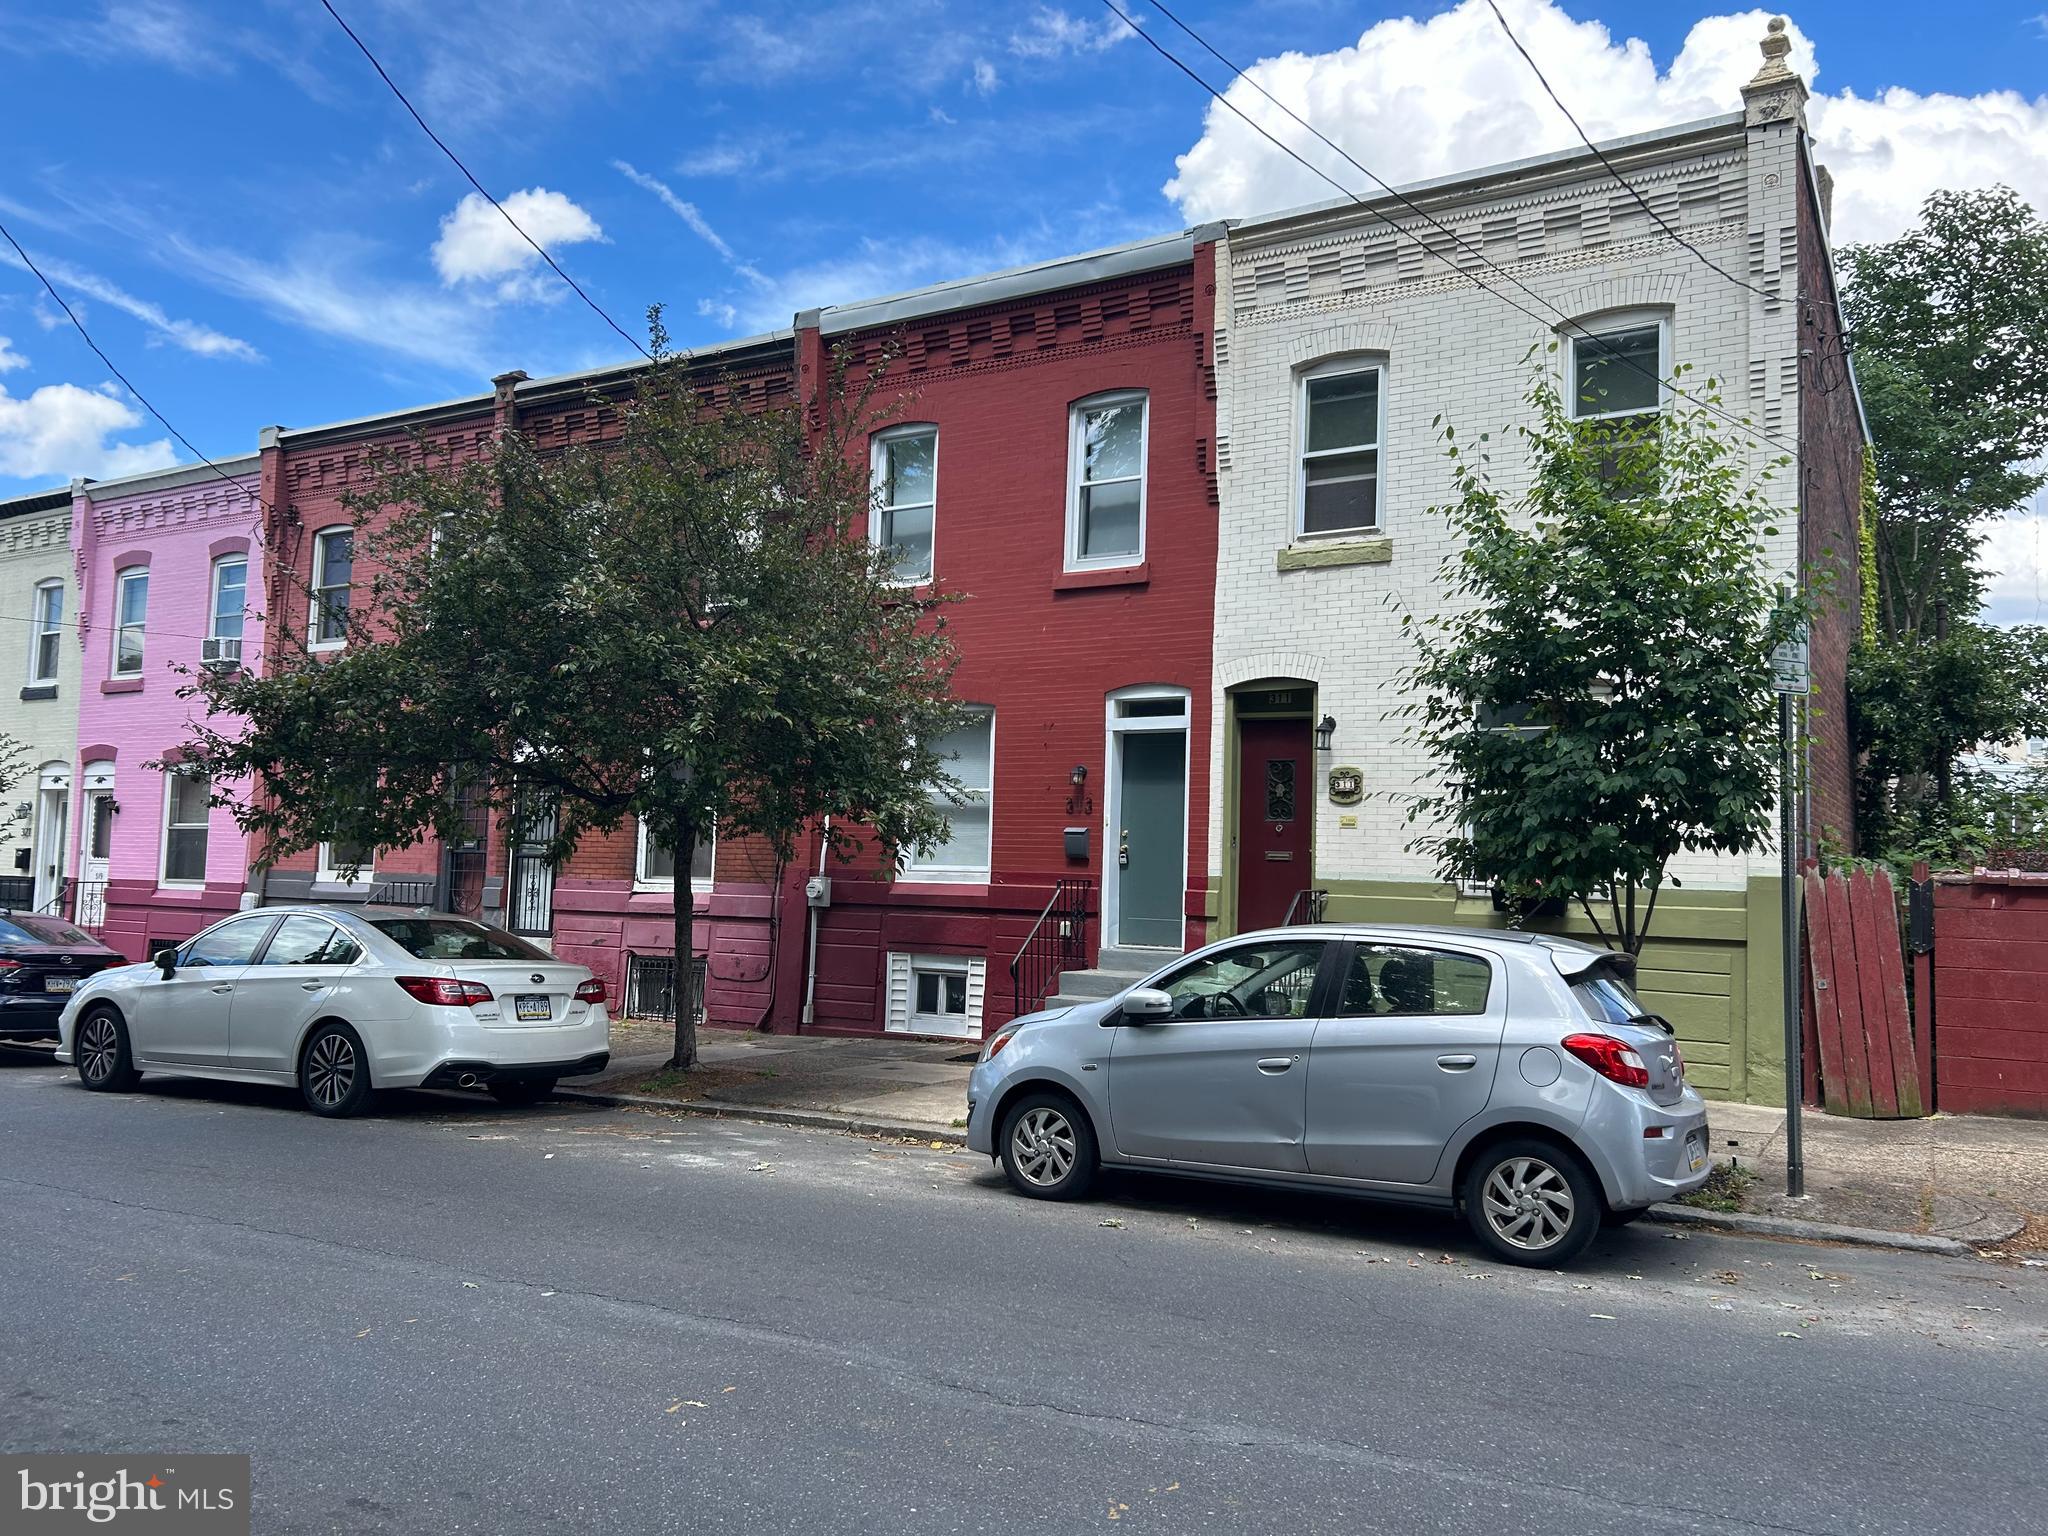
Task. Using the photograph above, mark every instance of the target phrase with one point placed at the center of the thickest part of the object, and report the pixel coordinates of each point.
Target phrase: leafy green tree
(680, 626)
(1596, 695)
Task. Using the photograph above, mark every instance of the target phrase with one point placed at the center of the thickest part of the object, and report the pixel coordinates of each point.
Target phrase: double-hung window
(968, 751)
(1616, 381)
(345, 863)
(655, 864)
(1342, 413)
(45, 645)
(230, 598)
(906, 479)
(1106, 482)
(185, 816)
(131, 609)
(333, 570)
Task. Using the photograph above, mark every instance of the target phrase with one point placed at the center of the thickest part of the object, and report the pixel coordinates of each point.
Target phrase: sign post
(1791, 678)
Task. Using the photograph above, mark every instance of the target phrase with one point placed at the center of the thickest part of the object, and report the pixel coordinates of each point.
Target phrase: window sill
(121, 685)
(668, 888)
(1117, 576)
(325, 647)
(914, 878)
(36, 691)
(1313, 557)
(181, 889)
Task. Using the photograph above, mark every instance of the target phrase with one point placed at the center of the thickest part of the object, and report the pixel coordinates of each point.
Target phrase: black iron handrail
(401, 893)
(1057, 942)
(1310, 903)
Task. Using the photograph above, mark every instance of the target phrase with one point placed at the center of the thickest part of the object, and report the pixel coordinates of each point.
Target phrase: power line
(383, 75)
(1564, 321)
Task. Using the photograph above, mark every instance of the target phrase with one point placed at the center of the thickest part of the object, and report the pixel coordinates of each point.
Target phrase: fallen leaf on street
(1605, 1317)
(364, 1334)
(1786, 1333)
(1110, 1221)
(1727, 1277)
(469, 1285)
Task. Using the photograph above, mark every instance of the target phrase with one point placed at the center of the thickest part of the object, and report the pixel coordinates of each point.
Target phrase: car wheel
(101, 1050)
(1532, 1202)
(529, 1090)
(334, 1072)
(1048, 1147)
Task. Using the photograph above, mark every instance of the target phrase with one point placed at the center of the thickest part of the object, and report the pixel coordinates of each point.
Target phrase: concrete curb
(1809, 1231)
(809, 1119)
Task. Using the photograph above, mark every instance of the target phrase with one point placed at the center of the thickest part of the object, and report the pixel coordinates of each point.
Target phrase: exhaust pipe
(469, 1080)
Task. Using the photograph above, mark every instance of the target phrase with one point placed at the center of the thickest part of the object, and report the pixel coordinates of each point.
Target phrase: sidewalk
(1978, 1179)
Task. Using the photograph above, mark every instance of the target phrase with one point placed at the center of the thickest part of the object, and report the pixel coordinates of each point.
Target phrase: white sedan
(342, 1002)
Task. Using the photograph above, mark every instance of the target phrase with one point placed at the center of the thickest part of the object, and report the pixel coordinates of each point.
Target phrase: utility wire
(439, 144)
(1564, 321)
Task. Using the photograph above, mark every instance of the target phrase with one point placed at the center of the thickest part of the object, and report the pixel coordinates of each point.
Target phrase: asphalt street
(452, 1317)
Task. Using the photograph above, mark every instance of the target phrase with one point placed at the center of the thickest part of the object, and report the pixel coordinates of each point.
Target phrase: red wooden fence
(1868, 1066)
(1991, 993)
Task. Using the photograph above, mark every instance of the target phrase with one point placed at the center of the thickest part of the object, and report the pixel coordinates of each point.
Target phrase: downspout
(811, 913)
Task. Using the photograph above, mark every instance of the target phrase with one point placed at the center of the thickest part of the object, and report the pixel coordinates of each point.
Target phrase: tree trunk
(682, 995)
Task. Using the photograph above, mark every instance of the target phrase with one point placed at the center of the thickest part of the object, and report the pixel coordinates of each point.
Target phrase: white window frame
(42, 625)
(205, 826)
(1077, 459)
(878, 475)
(914, 871)
(122, 580)
(969, 1024)
(1615, 323)
(642, 881)
(944, 967)
(213, 597)
(1336, 368)
(320, 538)
(328, 872)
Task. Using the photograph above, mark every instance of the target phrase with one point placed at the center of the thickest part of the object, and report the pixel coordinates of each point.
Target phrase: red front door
(1274, 802)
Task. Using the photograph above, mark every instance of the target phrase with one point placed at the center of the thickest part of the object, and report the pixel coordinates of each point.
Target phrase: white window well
(936, 995)
(1106, 456)
(654, 866)
(1343, 417)
(46, 634)
(131, 609)
(906, 479)
(969, 754)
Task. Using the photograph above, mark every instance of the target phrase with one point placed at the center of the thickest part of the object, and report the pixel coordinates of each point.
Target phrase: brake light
(10, 965)
(1615, 1060)
(446, 992)
(592, 991)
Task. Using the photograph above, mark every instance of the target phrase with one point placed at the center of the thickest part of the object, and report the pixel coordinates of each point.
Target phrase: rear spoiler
(1578, 963)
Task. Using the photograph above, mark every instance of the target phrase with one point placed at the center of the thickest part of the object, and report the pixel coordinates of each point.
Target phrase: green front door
(1151, 839)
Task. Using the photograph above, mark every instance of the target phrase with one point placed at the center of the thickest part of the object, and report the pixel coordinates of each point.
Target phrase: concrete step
(1137, 962)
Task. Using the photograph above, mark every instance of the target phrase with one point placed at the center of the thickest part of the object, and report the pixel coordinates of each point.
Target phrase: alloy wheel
(1043, 1147)
(98, 1047)
(1529, 1203)
(331, 1069)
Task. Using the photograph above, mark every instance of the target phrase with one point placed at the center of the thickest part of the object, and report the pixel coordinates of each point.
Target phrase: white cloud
(725, 158)
(202, 340)
(726, 315)
(476, 244)
(985, 80)
(943, 118)
(2014, 560)
(1053, 34)
(9, 358)
(62, 430)
(1414, 99)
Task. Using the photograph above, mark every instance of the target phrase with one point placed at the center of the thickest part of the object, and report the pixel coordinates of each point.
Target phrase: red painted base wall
(1991, 995)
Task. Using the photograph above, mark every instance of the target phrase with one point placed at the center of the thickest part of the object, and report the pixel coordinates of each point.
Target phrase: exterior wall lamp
(1076, 802)
(1326, 730)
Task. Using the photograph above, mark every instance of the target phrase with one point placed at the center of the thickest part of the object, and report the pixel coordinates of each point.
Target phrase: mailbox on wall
(1077, 845)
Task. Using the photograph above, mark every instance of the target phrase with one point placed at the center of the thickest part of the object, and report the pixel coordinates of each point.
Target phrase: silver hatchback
(1514, 1076)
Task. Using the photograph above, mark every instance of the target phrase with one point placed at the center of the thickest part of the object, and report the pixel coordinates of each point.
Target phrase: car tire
(334, 1072)
(520, 1091)
(105, 1064)
(1532, 1202)
(1048, 1147)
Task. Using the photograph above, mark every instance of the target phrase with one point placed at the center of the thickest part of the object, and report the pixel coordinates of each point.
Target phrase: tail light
(442, 990)
(10, 965)
(592, 991)
(1615, 1060)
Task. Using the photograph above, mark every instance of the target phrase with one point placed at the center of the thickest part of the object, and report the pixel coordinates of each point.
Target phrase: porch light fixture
(1079, 776)
(1326, 729)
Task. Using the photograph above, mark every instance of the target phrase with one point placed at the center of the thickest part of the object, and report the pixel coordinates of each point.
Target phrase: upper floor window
(333, 568)
(655, 864)
(1342, 412)
(1618, 368)
(968, 751)
(45, 644)
(131, 608)
(906, 476)
(230, 598)
(1106, 481)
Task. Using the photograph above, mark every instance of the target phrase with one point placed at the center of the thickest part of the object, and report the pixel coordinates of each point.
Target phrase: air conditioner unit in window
(220, 652)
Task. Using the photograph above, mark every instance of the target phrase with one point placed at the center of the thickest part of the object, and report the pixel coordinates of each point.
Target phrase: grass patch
(1727, 1188)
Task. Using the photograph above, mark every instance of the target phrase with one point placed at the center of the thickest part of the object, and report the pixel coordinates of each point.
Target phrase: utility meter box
(818, 891)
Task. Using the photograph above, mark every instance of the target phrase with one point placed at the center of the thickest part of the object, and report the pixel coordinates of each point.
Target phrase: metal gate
(464, 861)
(532, 897)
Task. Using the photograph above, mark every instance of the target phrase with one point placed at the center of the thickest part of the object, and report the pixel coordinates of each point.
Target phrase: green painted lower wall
(1711, 966)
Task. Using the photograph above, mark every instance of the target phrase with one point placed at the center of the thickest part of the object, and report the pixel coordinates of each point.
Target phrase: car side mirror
(167, 962)
(1145, 1005)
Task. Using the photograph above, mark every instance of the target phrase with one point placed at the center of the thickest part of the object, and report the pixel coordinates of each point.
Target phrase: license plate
(531, 1007)
(60, 983)
(1696, 1149)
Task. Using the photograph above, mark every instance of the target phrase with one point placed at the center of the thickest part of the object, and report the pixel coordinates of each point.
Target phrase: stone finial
(1775, 94)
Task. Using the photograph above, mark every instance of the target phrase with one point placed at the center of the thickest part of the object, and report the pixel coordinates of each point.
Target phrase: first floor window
(45, 644)
(333, 571)
(906, 499)
(185, 816)
(657, 863)
(338, 859)
(230, 598)
(968, 752)
(1106, 482)
(131, 608)
(1341, 412)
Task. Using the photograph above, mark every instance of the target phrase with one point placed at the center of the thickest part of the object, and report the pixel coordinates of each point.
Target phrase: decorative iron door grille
(533, 877)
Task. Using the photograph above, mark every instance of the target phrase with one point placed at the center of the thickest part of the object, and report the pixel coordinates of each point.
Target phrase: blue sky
(256, 233)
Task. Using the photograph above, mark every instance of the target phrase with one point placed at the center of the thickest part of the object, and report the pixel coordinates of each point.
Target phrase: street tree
(1595, 696)
(682, 626)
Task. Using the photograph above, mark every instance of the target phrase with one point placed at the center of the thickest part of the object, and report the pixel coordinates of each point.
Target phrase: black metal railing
(1307, 907)
(88, 904)
(401, 893)
(651, 988)
(1058, 942)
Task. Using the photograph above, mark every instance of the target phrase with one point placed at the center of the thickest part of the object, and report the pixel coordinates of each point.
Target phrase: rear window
(1608, 999)
(450, 938)
(28, 929)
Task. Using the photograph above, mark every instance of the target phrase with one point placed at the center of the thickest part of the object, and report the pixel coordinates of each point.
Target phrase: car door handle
(314, 986)
(226, 986)
(1275, 1063)
(1457, 1063)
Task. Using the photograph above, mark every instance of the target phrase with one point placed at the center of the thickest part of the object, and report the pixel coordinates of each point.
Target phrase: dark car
(42, 961)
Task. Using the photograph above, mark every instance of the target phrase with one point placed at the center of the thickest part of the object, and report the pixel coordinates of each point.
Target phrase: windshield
(1608, 999)
(23, 929)
(450, 938)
